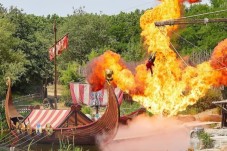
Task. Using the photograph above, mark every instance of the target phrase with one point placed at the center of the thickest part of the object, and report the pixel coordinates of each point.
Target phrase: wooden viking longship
(47, 125)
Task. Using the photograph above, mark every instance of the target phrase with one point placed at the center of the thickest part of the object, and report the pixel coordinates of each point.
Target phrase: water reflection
(49, 147)
(56, 147)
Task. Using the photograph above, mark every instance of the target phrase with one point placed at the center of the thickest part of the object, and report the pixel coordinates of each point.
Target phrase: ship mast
(55, 64)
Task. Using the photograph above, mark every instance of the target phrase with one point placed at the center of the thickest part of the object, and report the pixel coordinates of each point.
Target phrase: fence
(21, 100)
(24, 108)
(199, 57)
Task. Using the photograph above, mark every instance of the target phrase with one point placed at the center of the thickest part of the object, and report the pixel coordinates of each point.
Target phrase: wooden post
(224, 93)
(55, 64)
(76, 118)
(189, 21)
(224, 113)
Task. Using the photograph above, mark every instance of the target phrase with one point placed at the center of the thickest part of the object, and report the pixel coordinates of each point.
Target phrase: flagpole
(55, 64)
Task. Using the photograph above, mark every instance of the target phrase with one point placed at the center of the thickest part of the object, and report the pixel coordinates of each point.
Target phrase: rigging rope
(178, 54)
(175, 50)
(204, 14)
(198, 48)
(223, 68)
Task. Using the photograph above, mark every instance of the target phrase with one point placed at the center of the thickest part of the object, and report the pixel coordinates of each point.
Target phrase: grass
(129, 107)
(64, 145)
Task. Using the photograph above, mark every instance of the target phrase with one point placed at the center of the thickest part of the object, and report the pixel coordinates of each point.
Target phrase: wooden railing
(19, 101)
(24, 108)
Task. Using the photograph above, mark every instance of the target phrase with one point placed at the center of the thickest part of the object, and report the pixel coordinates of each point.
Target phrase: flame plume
(172, 87)
(219, 61)
(190, 1)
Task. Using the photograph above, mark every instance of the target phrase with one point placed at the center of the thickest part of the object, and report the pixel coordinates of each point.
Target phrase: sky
(64, 8)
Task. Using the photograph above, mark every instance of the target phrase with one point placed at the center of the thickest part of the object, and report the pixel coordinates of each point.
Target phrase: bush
(207, 142)
(70, 73)
(86, 109)
(3, 122)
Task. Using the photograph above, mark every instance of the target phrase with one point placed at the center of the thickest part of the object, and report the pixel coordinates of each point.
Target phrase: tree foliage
(25, 40)
(200, 37)
(70, 73)
(34, 34)
(12, 60)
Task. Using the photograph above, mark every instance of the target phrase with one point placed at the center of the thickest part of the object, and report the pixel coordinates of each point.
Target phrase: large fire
(191, 1)
(219, 61)
(172, 87)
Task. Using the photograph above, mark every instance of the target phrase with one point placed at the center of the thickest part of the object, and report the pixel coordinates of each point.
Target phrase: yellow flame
(173, 86)
(171, 89)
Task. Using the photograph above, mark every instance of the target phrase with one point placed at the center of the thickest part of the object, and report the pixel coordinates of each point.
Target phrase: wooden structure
(223, 106)
(189, 21)
(54, 125)
(124, 119)
(12, 116)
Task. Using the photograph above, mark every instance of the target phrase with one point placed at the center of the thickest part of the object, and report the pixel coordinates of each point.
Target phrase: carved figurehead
(11, 113)
(109, 75)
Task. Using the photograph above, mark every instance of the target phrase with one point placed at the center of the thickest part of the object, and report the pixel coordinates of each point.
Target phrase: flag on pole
(60, 46)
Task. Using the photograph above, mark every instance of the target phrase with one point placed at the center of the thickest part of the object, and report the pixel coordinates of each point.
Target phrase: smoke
(150, 134)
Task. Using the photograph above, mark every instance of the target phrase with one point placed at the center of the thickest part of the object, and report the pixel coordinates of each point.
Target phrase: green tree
(135, 51)
(70, 73)
(126, 29)
(219, 3)
(204, 37)
(34, 35)
(86, 32)
(12, 61)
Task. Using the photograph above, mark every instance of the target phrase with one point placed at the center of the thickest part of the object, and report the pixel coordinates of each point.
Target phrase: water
(50, 147)
(54, 147)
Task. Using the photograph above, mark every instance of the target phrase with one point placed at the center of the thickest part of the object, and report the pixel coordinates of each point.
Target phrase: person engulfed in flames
(150, 63)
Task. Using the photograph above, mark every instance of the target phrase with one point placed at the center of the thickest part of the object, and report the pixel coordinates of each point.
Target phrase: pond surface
(48, 147)
(56, 147)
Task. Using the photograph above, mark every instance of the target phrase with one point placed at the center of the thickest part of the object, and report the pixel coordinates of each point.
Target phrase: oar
(6, 143)
(36, 141)
(7, 136)
(24, 137)
(25, 141)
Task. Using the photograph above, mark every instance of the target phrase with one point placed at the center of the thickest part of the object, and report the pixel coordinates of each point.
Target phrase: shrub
(86, 109)
(70, 73)
(206, 139)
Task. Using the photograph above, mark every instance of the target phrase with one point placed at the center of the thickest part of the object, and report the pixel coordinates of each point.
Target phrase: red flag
(60, 46)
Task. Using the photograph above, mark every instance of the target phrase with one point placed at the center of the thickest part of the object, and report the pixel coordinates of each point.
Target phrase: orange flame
(190, 1)
(96, 74)
(171, 88)
(219, 61)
